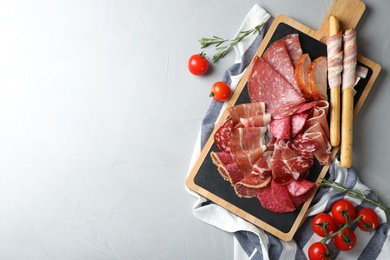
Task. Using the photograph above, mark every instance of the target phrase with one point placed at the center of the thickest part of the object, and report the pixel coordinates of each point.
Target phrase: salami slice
(300, 191)
(268, 201)
(266, 85)
(297, 123)
(243, 191)
(294, 48)
(281, 128)
(223, 135)
(278, 57)
(281, 194)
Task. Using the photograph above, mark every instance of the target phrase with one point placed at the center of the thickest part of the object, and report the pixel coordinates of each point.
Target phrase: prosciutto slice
(335, 59)
(266, 85)
(246, 146)
(350, 59)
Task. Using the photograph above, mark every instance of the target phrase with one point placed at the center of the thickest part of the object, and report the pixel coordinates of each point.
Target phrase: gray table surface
(99, 116)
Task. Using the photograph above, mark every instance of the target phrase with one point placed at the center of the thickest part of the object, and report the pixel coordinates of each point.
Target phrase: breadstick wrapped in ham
(335, 59)
(335, 67)
(348, 83)
(350, 59)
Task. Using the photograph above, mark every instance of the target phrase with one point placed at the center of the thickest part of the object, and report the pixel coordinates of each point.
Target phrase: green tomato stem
(340, 231)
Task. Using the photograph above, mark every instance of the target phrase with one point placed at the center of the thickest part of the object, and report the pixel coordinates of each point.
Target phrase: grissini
(348, 82)
(335, 67)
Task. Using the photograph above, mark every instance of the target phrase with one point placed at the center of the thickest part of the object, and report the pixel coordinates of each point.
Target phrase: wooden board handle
(341, 9)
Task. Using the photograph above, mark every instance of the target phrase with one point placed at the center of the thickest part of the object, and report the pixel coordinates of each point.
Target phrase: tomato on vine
(343, 209)
(369, 219)
(324, 224)
(319, 251)
(346, 240)
(198, 64)
(220, 91)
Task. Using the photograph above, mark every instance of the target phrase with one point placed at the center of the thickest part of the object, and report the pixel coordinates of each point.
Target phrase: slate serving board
(204, 177)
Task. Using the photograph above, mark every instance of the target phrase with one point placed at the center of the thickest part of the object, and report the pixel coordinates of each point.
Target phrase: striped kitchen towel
(251, 242)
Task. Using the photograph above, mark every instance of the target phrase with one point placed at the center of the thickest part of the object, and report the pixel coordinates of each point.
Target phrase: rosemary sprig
(354, 193)
(222, 50)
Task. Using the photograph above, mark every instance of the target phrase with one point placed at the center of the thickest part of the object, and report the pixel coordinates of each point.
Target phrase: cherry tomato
(342, 209)
(198, 64)
(324, 222)
(220, 91)
(319, 251)
(346, 240)
(369, 220)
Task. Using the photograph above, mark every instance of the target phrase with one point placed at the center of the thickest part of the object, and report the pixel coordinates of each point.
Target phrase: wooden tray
(204, 178)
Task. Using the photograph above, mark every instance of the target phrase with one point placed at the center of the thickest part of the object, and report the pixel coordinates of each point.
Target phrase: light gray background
(99, 117)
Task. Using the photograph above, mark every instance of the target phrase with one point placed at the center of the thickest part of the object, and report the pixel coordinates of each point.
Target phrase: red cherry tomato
(319, 251)
(220, 91)
(198, 64)
(342, 209)
(346, 240)
(322, 223)
(369, 220)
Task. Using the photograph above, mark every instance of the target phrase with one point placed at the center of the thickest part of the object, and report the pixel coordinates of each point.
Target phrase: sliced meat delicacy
(318, 80)
(268, 146)
(247, 145)
(266, 85)
(275, 198)
(294, 48)
(249, 114)
(301, 75)
(277, 56)
(335, 59)
(300, 191)
(223, 135)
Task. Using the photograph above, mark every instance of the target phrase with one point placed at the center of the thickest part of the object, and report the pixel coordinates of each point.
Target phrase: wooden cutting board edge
(348, 19)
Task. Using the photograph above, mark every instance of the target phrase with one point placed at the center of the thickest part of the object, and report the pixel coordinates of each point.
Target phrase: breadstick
(335, 66)
(349, 76)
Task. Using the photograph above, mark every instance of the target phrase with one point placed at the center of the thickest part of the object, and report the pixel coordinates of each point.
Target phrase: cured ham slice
(227, 167)
(335, 59)
(278, 57)
(246, 146)
(249, 114)
(350, 59)
(262, 166)
(266, 85)
(259, 120)
(289, 164)
(246, 110)
(319, 115)
(323, 148)
(254, 181)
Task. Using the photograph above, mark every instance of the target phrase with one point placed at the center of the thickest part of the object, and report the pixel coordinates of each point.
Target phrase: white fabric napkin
(251, 242)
